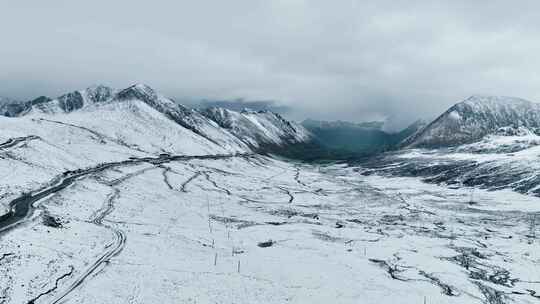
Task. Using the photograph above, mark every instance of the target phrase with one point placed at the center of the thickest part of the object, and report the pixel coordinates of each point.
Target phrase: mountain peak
(98, 93)
(227, 128)
(248, 111)
(98, 87)
(138, 91)
(140, 87)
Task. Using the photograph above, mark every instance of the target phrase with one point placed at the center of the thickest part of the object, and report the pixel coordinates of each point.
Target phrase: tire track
(210, 180)
(17, 140)
(189, 180)
(297, 177)
(288, 192)
(112, 249)
(99, 216)
(71, 269)
(166, 178)
(102, 138)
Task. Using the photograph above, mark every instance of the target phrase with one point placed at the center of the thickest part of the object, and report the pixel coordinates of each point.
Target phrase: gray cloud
(353, 60)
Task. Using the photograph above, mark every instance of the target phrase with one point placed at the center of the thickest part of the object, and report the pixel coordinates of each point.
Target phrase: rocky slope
(259, 129)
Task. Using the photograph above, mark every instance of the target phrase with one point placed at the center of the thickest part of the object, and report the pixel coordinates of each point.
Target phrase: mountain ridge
(279, 132)
(269, 128)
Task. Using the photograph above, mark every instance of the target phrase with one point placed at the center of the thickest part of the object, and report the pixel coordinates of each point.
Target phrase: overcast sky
(352, 60)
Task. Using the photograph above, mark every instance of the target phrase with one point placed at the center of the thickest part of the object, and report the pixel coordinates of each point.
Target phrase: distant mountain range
(466, 122)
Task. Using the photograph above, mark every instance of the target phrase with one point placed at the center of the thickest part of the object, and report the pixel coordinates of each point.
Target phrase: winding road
(21, 207)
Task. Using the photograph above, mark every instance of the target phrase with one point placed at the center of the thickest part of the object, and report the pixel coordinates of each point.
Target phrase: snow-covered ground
(259, 230)
(495, 162)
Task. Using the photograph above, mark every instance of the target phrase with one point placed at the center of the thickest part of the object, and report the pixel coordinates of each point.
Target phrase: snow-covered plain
(195, 232)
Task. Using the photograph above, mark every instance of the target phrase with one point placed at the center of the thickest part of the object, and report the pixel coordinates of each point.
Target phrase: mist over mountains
(358, 139)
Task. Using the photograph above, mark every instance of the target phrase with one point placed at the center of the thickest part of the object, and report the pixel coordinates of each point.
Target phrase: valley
(124, 196)
(269, 152)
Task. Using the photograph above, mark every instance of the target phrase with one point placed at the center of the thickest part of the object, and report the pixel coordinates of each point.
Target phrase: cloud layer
(353, 60)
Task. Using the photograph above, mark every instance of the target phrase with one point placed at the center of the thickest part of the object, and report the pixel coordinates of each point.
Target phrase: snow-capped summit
(187, 118)
(138, 91)
(255, 129)
(98, 93)
(474, 118)
(70, 101)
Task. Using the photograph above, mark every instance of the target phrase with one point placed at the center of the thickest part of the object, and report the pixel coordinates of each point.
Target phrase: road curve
(21, 207)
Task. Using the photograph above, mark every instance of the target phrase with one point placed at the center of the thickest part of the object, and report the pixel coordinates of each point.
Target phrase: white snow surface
(190, 233)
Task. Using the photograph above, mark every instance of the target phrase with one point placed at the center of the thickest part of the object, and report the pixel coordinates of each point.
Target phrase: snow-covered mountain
(190, 119)
(474, 118)
(496, 162)
(252, 130)
(484, 141)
